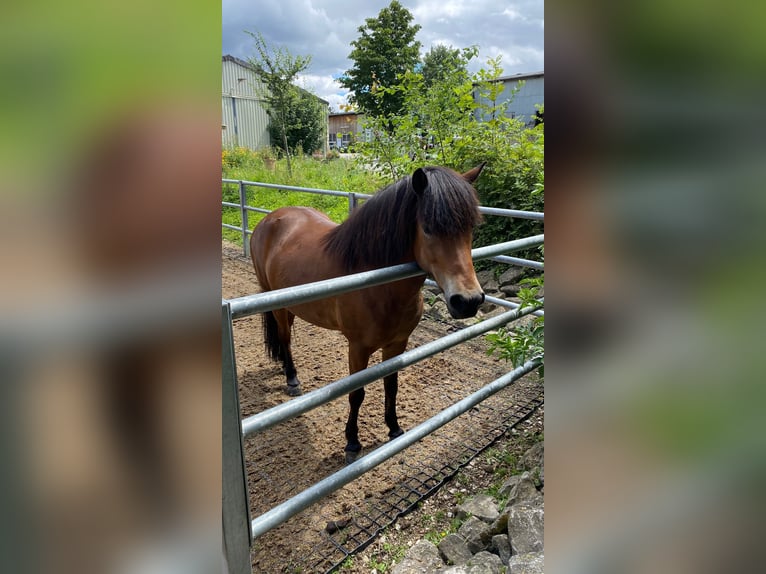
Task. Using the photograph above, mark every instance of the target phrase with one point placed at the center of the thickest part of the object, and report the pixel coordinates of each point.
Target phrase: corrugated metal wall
(244, 121)
(531, 93)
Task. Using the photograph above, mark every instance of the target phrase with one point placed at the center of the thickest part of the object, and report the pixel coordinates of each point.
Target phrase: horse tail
(274, 346)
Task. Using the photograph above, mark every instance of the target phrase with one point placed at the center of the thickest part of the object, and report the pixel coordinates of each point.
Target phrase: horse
(427, 217)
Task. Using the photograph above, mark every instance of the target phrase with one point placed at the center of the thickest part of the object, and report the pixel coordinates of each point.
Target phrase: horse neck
(380, 234)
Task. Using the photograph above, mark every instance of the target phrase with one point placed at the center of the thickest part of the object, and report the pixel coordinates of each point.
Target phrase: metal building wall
(244, 121)
(530, 94)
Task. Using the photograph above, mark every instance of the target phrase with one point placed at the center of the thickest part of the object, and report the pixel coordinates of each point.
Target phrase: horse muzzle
(462, 307)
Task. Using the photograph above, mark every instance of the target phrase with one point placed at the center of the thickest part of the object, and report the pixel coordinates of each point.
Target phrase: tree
(459, 125)
(441, 63)
(277, 68)
(385, 50)
(305, 128)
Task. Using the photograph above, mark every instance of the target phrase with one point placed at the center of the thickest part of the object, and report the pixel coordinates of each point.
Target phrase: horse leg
(358, 357)
(277, 332)
(391, 385)
(285, 323)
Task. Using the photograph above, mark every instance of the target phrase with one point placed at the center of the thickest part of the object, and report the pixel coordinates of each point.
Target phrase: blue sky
(324, 29)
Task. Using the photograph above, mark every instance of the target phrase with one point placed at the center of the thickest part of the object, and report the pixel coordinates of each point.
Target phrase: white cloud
(324, 29)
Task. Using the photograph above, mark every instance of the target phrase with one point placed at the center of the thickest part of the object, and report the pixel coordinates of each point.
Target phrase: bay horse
(427, 217)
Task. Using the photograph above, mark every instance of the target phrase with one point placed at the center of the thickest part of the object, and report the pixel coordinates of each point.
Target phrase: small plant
(348, 563)
(435, 536)
(527, 341)
(236, 157)
(377, 565)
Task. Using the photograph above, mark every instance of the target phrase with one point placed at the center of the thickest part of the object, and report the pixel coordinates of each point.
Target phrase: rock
(510, 276)
(509, 484)
(531, 563)
(481, 506)
(488, 281)
(476, 534)
(501, 546)
(500, 526)
(423, 556)
(487, 307)
(454, 550)
(453, 570)
(533, 458)
(525, 492)
(509, 290)
(485, 563)
(526, 529)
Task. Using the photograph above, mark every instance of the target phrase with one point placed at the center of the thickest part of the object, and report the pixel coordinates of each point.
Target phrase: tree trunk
(287, 150)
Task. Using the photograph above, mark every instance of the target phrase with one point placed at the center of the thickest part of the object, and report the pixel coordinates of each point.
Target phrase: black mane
(381, 232)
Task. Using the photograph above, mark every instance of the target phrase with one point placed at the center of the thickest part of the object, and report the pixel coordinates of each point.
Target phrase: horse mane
(382, 230)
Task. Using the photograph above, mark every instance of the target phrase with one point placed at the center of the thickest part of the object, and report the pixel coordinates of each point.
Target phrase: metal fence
(239, 528)
(354, 199)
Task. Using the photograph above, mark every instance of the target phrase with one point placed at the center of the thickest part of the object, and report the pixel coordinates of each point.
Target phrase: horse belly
(287, 251)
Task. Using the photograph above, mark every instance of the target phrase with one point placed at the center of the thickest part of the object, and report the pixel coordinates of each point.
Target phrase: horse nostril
(457, 302)
(463, 307)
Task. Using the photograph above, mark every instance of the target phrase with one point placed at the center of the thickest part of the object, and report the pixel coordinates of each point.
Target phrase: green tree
(304, 121)
(441, 63)
(460, 124)
(277, 68)
(385, 50)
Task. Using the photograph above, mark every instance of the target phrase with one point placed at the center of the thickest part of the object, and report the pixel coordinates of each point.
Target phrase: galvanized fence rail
(353, 201)
(235, 508)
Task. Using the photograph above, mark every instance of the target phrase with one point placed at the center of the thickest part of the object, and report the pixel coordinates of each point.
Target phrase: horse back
(286, 248)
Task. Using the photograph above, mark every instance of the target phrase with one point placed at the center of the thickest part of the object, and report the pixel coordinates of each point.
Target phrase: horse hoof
(352, 456)
(395, 434)
(294, 391)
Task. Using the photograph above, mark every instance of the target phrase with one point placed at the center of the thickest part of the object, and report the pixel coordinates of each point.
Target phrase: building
(530, 94)
(244, 121)
(344, 129)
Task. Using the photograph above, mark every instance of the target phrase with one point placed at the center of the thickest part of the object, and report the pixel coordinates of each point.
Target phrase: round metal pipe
(294, 505)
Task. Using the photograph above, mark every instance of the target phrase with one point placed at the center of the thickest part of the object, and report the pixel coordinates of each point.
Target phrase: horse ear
(419, 181)
(471, 176)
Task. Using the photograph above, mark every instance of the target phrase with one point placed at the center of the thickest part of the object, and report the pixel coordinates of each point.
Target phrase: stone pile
(490, 541)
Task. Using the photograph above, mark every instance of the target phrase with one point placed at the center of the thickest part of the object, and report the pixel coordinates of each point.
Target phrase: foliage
(460, 121)
(386, 49)
(277, 68)
(526, 341)
(303, 130)
(340, 174)
(442, 62)
(244, 158)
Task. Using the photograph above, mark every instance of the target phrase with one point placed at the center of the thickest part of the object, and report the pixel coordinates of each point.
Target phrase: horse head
(448, 210)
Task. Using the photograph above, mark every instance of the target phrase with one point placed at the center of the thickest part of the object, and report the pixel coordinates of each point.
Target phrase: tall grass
(338, 174)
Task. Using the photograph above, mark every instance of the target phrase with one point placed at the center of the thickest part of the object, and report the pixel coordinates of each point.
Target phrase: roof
(249, 66)
(346, 113)
(522, 76)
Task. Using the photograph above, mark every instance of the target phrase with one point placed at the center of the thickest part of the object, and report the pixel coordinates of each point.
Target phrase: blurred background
(110, 289)
(654, 247)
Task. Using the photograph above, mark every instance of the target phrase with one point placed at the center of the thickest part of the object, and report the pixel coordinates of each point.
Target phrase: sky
(324, 29)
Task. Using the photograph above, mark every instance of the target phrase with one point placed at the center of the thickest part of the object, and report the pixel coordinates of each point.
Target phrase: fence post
(234, 503)
(243, 212)
(352, 202)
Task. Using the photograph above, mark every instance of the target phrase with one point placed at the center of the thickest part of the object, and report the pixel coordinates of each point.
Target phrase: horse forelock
(449, 205)
(382, 231)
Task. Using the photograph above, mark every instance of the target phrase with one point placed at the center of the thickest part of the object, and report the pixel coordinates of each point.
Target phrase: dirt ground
(288, 458)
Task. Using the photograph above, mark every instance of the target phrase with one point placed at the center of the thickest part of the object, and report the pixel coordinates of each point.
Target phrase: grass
(339, 174)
